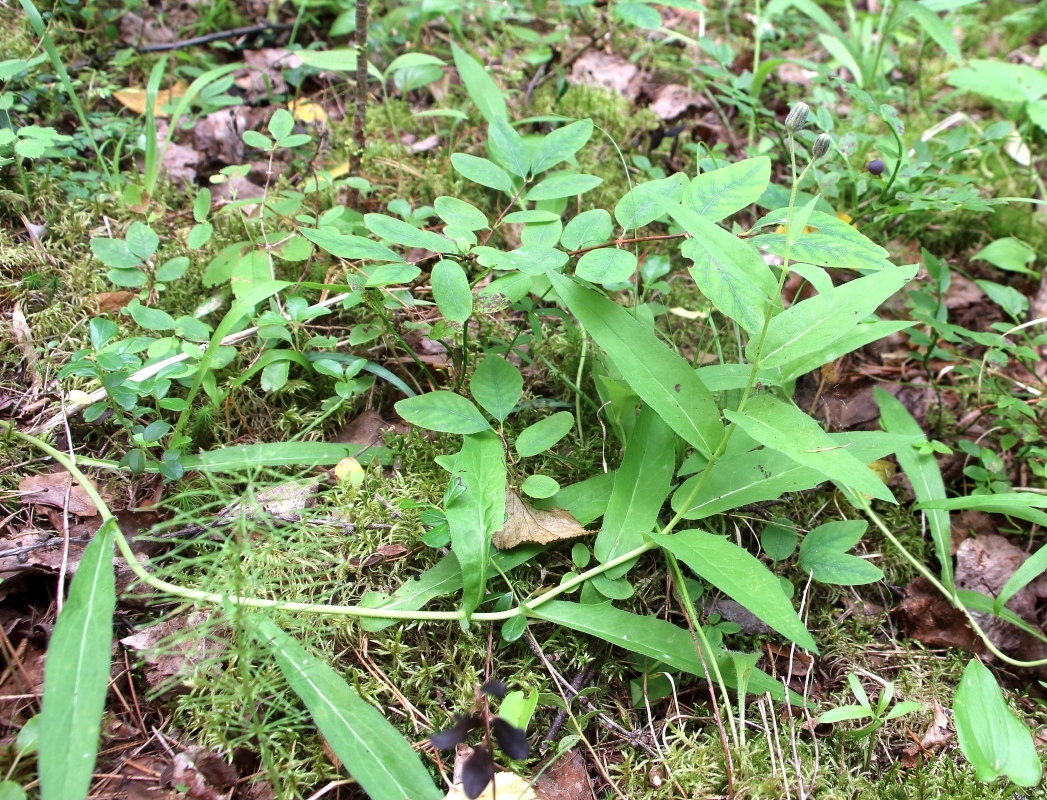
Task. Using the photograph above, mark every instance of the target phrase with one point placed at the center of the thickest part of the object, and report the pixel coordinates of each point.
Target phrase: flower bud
(797, 117)
(821, 145)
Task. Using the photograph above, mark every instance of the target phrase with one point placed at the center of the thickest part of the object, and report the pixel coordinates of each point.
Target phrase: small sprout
(876, 166)
(797, 117)
(821, 145)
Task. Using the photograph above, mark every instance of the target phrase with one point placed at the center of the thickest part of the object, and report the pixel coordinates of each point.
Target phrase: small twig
(618, 242)
(247, 30)
(576, 685)
(360, 116)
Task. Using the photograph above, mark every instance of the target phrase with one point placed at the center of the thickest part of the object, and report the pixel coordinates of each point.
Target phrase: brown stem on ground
(361, 88)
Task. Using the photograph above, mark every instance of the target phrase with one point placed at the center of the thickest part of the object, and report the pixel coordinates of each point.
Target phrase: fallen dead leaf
(53, 489)
(790, 72)
(565, 779)
(525, 524)
(263, 73)
(367, 429)
(24, 338)
(137, 30)
(218, 136)
(20, 683)
(204, 774)
(109, 302)
(308, 112)
(134, 98)
(166, 654)
(938, 735)
(609, 71)
(673, 100)
(928, 617)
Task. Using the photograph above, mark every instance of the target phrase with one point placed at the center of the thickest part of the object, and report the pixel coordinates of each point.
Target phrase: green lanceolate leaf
(835, 244)
(481, 86)
(783, 427)
(451, 290)
(543, 434)
(641, 485)
(563, 185)
(741, 576)
(76, 674)
(728, 271)
(720, 193)
(816, 323)
(460, 213)
(991, 737)
(476, 514)
(664, 380)
(589, 228)
(924, 475)
(508, 148)
(269, 454)
(482, 171)
(739, 479)
(823, 553)
(350, 247)
(645, 203)
(497, 386)
(649, 636)
(372, 750)
(442, 411)
(400, 232)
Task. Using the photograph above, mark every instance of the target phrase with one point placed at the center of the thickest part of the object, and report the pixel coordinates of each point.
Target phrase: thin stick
(359, 143)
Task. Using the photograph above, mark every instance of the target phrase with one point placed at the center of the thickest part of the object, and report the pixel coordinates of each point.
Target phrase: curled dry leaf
(565, 779)
(609, 71)
(673, 100)
(52, 489)
(938, 734)
(524, 524)
(168, 650)
(203, 774)
(134, 98)
(109, 302)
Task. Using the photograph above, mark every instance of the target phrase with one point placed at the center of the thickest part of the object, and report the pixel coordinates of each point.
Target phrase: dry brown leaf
(164, 661)
(524, 524)
(928, 617)
(203, 774)
(52, 488)
(673, 100)
(109, 302)
(937, 736)
(134, 98)
(307, 112)
(566, 779)
(608, 71)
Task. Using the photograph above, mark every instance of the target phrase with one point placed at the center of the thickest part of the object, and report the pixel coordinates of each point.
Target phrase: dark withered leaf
(454, 736)
(477, 772)
(494, 689)
(511, 739)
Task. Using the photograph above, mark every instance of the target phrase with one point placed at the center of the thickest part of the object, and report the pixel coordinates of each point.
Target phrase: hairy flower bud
(821, 145)
(797, 117)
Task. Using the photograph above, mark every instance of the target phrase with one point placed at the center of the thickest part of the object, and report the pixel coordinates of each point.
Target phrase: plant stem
(360, 115)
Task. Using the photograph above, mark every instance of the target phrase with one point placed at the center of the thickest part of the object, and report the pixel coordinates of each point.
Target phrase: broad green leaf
(371, 749)
(539, 486)
(476, 514)
(439, 581)
(778, 539)
(339, 60)
(1022, 505)
(442, 411)
(606, 265)
(543, 434)
(727, 270)
(542, 234)
(641, 485)
(783, 427)
(10, 790)
(482, 171)
(588, 228)
(563, 185)
(460, 213)
(663, 379)
(350, 247)
(935, 27)
(254, 268)
(863, 333)
(639, 14)
(535, 260)
(508, 148)
(269, 454)
(1008, 253)
(717, 194)
(834, 244)
(451, 290)
(391, 274)
(586, 500)
(649, 636)
(823, 553)
(818, 322)
(172, 269)
(76, 674)
(480, 85)
(529, 216)
(497, 386)
(114, 253)
(152, 319)
(992, 738)
(1000, 81)
(645, 203)
(142, 241)
(741, 576)
(560, 145)
(924, 475)
(400, 232)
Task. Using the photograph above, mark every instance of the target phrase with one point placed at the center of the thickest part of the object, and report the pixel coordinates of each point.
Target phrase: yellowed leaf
(339, 170)
(134, 98)
(506, 785)
(308, 113)
(525, 524)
